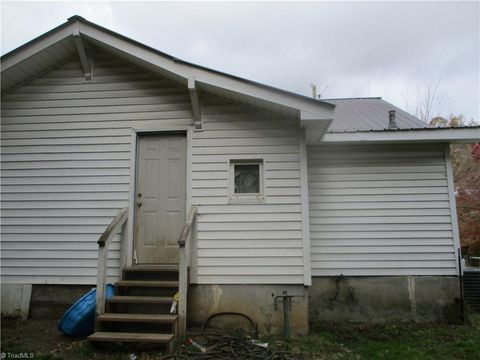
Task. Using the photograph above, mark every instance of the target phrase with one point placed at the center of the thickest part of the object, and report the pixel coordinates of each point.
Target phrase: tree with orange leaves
(466, 174)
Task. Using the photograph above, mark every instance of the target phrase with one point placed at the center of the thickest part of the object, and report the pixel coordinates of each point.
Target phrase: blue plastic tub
(79, 319)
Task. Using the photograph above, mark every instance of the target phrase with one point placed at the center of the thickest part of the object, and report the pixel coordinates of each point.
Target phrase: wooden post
(182, 291)
(101, 279)
(183, 263)
(102, 265)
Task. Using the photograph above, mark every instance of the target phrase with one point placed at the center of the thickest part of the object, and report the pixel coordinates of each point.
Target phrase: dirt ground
(40, 340)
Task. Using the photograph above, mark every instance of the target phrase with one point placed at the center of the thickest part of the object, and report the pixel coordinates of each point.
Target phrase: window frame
(246, 197)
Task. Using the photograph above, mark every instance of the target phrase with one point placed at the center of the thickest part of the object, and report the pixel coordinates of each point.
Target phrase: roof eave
(169, 66)
(443, 135)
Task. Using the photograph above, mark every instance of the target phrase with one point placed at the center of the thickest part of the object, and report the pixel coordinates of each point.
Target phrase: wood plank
(140, 283)
(160, 267)
(141, 299)
(144, 318)
(131, 337)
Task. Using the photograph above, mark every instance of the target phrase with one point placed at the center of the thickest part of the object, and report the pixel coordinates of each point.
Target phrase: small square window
(246, 180)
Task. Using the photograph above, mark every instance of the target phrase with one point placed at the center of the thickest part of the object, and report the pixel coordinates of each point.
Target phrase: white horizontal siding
(66, 171)
(379, 210)
(247, 243)
(65, 156)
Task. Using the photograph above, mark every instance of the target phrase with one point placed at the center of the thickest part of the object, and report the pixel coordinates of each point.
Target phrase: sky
(395, 50)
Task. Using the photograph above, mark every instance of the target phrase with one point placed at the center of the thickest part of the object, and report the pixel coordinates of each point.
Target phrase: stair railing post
(103, 242)
(183, 264)
(101, 280)
(182, 292)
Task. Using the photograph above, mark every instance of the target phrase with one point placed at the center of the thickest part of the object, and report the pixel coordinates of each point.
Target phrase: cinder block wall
(385, 298)
(256, 301)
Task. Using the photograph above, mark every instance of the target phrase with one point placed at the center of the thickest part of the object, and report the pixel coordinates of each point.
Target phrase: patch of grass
(404, 341)
(346, 341)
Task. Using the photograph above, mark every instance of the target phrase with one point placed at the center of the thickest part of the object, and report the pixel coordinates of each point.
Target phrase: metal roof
(366, 114)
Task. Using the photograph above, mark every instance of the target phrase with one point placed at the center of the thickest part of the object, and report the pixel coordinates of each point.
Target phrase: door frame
(128, 246)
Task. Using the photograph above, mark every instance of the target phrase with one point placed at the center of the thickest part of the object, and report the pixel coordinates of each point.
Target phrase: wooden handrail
(183, 264)
(187, 227)
(103, 243)
(113, 226)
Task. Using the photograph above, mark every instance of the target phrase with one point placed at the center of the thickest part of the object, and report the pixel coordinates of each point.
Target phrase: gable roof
(367, 114)
(353, 117)
(59, 45)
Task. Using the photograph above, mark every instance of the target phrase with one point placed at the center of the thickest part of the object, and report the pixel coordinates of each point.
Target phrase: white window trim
(246, 198)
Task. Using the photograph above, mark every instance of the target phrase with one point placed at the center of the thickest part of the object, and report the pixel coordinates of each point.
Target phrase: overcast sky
(395, 50)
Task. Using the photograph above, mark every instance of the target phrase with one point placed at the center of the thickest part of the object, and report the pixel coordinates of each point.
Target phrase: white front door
(160, 197)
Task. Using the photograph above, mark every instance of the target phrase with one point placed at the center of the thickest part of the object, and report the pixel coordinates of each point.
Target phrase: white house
(344, 203)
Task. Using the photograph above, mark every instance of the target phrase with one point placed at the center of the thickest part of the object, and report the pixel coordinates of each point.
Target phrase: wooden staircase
(140, 310)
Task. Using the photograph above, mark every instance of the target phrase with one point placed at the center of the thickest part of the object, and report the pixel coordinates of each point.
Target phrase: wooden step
(149, 283)
(143, 318)
(141, 299)
(142, 268)
(131, 337)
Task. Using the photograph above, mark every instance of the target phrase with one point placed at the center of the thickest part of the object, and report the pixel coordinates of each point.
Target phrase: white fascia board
(186, 71)
(314, 127)
(38, 46)
(463, 135)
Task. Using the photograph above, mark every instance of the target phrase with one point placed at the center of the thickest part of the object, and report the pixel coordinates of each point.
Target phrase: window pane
(247, 179)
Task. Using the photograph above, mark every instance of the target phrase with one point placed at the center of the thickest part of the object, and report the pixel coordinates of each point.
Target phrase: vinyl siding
(66, 165)
(66, 171)
(380, 210)
(254, 242)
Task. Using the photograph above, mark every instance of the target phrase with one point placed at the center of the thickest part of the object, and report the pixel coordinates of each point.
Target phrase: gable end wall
(66, 170)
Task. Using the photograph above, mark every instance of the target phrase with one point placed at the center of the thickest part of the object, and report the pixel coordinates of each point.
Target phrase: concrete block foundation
(256, 301)
(51, 301)
(337, 299)
(15, 299)
(385, 298)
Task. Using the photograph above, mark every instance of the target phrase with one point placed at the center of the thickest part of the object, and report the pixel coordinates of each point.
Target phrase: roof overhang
(231, 87)
(426, 135)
